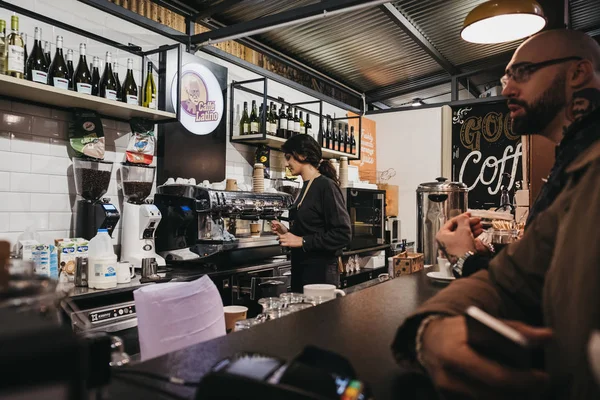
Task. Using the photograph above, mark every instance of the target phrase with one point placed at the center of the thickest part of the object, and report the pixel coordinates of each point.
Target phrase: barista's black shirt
(322, 219)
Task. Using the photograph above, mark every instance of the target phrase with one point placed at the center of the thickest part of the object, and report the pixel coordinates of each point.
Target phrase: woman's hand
(290, 240)
(278, 228)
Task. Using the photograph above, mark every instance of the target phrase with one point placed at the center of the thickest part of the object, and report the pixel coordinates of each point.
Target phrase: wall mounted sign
(483, 149)
(367, 165)
(201, 106)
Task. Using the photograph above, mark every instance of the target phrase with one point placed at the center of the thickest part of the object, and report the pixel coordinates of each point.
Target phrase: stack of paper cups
(258, 178)
(336, 166)
(343, 172)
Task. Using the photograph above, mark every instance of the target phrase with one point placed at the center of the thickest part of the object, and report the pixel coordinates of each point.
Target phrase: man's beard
(539, 114)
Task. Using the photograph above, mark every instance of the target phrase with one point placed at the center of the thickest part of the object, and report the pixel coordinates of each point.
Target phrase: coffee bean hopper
(140, 217)
(92, 212)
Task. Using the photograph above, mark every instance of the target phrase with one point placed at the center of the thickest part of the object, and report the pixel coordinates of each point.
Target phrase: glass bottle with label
(59, 72)
(296, 122)
(308, 126)
(291, 126)
(149, 89)
(129, 90)
(346, 142)
(245, 121)
(117, 81)
(302, 129)
(82, 79)
(47, 50)
(15, 51)
(108, 87)
(254, 122)
(25, 53)
(326, 133)
(70, 68)
(37, 64)
(2, 47)
(282, 131)
(95, 76)
(352, 141)
(271, 121)
(333, 136)
(261, 113)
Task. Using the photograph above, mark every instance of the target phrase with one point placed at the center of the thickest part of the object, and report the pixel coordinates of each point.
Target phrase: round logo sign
(201, 105)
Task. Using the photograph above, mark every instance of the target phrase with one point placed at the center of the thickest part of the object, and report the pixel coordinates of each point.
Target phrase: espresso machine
(140, 218)
(92, 212)
(205, 225)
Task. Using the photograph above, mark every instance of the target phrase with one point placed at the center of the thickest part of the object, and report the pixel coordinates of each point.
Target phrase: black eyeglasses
(521, 72)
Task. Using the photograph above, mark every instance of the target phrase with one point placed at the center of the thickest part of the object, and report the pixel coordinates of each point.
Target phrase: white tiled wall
(36, 184)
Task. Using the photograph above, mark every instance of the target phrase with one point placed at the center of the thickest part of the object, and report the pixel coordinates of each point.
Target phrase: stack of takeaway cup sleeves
(258, 178)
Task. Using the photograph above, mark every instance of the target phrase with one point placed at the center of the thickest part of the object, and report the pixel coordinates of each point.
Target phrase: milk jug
(102, 262)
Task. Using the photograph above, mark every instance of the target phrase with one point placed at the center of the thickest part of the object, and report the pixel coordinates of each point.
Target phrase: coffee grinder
(140, 218)
(92, 212)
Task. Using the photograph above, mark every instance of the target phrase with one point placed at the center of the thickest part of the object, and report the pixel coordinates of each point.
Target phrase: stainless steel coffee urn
(437, 202)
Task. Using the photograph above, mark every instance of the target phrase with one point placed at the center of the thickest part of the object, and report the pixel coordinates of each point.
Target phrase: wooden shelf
(275, 142)
(52, 96)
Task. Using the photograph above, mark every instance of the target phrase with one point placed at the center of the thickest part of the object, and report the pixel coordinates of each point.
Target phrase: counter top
(360, 326)
(179, 275)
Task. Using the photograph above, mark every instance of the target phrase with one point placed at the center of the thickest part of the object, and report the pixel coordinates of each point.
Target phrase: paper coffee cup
(232, 315)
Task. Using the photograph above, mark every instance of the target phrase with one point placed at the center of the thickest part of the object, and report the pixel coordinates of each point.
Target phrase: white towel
(175, 315)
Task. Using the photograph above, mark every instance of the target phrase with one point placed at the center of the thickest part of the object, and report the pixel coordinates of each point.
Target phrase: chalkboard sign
(483, 149)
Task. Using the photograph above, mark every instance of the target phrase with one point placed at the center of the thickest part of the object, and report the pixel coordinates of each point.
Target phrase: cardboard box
(407, 263)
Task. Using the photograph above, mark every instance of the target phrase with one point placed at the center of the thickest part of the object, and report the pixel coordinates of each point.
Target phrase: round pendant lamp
(499, 21)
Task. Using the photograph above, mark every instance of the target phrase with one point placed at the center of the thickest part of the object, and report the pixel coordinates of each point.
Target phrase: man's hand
(476, 225)
(455, 367)
(278, 228)
(482, 248)
(290, 240)
(455, 238)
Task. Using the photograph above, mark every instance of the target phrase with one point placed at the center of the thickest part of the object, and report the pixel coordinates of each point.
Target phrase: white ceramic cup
(444, 266)
(322, 290)
(124, 273)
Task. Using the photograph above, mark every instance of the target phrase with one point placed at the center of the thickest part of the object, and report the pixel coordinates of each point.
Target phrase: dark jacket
(551, 277)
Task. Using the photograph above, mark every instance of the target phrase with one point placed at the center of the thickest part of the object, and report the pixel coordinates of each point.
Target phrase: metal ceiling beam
(294, 16)
(215, 9)
(407, 87)
(177, 7)
(403, 23)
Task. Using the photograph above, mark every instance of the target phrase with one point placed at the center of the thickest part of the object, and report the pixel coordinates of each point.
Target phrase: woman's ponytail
(326, 168)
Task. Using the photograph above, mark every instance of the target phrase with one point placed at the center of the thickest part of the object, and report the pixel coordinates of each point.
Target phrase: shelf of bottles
(272, 126)
(41, 78)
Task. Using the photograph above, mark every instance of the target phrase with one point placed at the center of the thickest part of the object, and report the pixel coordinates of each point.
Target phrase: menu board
(483, 149)
(367, 165)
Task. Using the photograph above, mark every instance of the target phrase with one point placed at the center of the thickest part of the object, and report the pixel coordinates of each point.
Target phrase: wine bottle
(302, 129)
(274, 120)
(70, 68)
(308, 126)
(261, 113)
(296, 122)
(291, 126)
(129, 91)
(346, 145)
(149, 99)
(15, 51)
(2, 47)
(245, 121)
(117, 81)
(59, 72)
(82, 79)
(340, 137)
(25, 54)
(282, 131)
(326, 134)
(37, 64)
(108, 87)
(254, 122)
(47, 49)
(95, 76)
(352, 141)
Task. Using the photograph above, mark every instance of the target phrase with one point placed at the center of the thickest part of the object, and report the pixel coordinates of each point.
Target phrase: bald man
(547, 285)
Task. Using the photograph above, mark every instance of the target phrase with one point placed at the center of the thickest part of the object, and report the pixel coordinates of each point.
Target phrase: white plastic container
(102, 262)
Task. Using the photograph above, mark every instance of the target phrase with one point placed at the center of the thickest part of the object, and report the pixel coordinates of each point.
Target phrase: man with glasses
(548, 283)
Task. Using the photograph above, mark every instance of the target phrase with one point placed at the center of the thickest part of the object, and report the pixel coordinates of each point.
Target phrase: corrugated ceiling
(368, 51)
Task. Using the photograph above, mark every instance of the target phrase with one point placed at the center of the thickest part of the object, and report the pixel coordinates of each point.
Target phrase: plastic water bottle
(102, 262)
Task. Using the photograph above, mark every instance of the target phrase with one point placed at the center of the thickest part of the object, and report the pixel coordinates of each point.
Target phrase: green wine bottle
(245, 121)
(82, 79)
(129, 91)
(149, 99)
(108, 86)
(254, 122)
(59, 72)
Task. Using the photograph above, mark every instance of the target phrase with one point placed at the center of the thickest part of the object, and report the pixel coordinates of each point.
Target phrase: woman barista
(319, 221)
